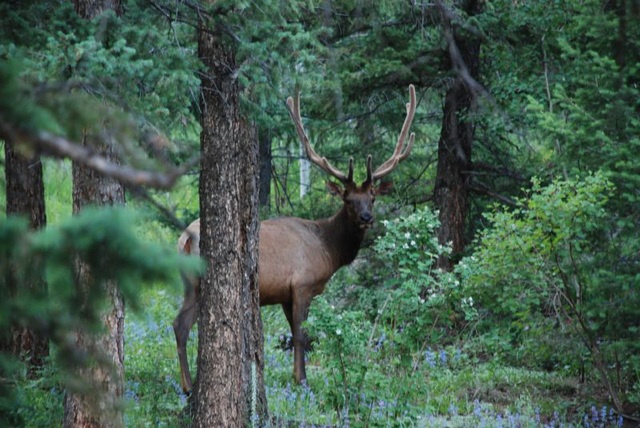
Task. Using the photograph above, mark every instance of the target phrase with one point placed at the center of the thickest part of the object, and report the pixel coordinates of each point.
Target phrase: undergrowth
(448, 386)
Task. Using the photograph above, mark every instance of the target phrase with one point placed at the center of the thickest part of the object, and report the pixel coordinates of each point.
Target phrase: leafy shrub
(418, 297)
(544, 261)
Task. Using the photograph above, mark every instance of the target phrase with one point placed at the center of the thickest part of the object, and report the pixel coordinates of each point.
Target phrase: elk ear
(334, 188)
(187, 246)
(384, 188)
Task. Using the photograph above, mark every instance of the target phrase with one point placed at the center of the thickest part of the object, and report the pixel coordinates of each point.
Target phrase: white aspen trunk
(305, 173)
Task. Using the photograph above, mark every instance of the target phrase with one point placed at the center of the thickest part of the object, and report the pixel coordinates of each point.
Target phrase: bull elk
(297, 257)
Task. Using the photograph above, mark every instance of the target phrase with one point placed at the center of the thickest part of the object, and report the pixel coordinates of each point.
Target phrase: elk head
(358, 199)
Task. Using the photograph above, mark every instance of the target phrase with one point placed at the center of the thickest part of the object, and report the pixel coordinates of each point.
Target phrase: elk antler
(322, 162)
(398, 156)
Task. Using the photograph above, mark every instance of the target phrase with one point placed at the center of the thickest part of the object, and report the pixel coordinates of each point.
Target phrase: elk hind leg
(300, 313)
(182, 325)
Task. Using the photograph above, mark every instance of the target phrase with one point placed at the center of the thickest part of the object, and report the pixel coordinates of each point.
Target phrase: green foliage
(58, 77)
(153, 393)
(544, 260)
(544, 282)
(33, 402)
(416, 294)
(105, 241)
(552, 224)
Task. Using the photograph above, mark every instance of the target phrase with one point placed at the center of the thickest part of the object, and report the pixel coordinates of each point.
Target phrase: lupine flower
(430, 358)
(380, 342)
(477, 410)
(453, 410)
(443, 357)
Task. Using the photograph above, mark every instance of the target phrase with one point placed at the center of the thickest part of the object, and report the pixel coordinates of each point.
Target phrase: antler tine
(322, 162)
(398, 155)
(369, 179)
(350, 173)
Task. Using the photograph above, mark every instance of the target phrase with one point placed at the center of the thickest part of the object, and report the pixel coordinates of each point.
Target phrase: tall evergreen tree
(229, 388)
(25, 197)
(98, 405)
(452, 181)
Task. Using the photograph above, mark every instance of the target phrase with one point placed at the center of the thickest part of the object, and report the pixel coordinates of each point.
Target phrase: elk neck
(342, 237)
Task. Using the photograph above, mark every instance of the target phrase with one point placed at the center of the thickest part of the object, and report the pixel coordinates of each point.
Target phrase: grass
(458, 393)
(448, 389)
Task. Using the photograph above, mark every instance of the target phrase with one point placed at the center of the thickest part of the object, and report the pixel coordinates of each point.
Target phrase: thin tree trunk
(89, 9)
(451, 190)
(98, 404)
(264, 140)
(25, 197)
(229, 389)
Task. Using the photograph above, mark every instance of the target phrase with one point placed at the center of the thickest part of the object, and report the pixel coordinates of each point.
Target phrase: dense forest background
(499, 286)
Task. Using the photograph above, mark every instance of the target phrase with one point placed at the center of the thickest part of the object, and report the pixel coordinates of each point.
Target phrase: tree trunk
(451, 190)
(99, 403)
(229, 389)
(25, 197)
(264, 140)
(89, 9)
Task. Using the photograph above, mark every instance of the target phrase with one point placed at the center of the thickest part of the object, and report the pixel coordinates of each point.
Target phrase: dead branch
(459, 66)
(495, 170)
(483, 189)
(58, 146)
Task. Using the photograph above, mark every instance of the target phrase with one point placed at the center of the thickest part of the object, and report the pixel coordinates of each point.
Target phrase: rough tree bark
(25, 197)
(100, 404)
(451, 190)
(230, 361)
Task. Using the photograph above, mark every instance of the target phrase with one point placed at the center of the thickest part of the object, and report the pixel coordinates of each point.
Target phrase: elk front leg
(287, 308)
(182, 325)
(300, 313)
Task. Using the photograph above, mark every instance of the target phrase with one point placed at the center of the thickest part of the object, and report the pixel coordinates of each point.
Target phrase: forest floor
(471, 393)
(458, 392)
